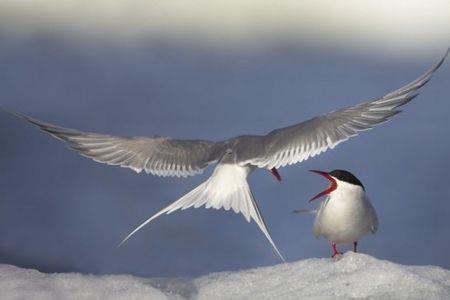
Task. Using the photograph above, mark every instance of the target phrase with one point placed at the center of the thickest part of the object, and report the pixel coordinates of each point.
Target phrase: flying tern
(235, 158)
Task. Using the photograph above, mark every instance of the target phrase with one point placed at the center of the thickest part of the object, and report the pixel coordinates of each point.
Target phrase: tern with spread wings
(237, 157)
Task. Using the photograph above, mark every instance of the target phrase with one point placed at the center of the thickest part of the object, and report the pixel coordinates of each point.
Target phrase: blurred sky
(213, 70)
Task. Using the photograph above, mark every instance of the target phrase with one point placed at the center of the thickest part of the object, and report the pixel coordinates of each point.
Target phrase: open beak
(331, 187)
(275, 173)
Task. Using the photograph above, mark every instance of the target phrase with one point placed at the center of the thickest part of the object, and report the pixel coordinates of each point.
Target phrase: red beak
(331, 187)
(275, 173)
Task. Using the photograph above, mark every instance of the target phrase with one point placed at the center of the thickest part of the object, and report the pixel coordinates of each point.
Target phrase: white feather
(346, 215)
(226, 188)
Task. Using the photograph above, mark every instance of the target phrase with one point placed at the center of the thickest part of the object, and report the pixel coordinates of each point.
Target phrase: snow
(17, 283)
(353, 276)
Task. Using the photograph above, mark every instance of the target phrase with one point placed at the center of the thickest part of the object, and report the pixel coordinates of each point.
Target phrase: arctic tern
(346, 215)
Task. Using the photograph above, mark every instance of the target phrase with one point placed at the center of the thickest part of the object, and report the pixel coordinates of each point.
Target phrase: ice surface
(353, 276)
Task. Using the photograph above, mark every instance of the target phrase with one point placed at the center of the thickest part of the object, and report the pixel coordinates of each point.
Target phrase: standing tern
(346, 215)
(237, 157)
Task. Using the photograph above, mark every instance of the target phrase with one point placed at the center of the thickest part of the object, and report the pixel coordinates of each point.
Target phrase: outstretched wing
(296, 143)
(160, 156)
(227, 188)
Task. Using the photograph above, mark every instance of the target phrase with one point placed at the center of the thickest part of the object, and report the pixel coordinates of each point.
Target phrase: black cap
(346, 176)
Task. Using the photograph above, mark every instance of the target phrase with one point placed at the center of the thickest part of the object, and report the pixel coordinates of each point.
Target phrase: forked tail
(227, 188)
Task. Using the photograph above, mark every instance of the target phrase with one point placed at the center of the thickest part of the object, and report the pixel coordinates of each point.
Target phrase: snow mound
(353, 276)
(17, 283)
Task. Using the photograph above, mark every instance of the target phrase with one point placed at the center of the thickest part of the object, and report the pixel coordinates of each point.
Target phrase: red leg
(335, 250)
(355, 245)
(275, 173)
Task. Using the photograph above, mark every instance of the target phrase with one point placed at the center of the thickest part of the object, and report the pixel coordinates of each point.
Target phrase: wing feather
(160, 156)
(296, 143)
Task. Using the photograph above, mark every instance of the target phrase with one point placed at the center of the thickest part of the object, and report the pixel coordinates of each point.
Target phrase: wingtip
(441, 61)
(121, 243)
(25, 117)
(305, 211)
(448, 51)
(13, 112)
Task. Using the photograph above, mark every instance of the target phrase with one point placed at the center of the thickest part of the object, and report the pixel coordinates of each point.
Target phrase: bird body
(345, 215)
(236, 157)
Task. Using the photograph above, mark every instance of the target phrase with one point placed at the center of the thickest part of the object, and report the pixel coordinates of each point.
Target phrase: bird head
(336, 177)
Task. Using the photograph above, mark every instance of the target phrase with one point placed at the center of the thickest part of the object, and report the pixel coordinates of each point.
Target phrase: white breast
(346, 215)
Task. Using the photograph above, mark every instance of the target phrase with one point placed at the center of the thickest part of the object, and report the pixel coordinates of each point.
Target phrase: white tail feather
(227, 188)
